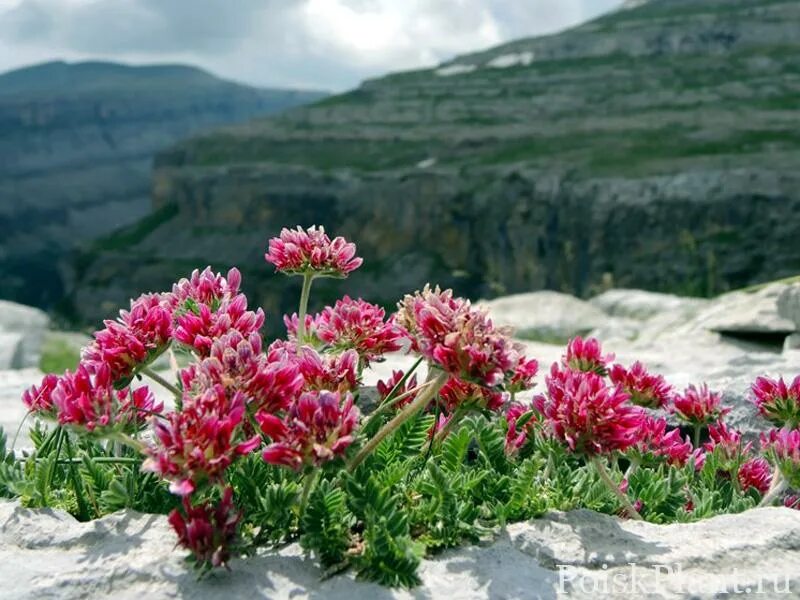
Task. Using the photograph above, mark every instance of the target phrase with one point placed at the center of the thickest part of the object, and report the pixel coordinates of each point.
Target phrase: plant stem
(161, 381)
(602, 471)
(775, 489)
(409, 411)
(308, 278)
(698, 429)
(308, 484)
(387, 405)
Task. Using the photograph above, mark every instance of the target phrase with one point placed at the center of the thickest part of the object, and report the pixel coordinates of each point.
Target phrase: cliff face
(655, 147)
(76, 148)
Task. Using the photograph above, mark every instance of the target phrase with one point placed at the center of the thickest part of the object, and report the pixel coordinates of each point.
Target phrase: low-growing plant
(264, 445)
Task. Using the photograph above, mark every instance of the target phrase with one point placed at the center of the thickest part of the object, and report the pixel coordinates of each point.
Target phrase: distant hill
(656, 147)
(76, 148)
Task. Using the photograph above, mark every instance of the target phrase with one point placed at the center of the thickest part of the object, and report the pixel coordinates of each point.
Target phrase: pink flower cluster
(136, 337)
(644, 388)
(268, 381)
(756, 474)
(657, 441)
(518, 432)
(458, 338)
(360, 326)
(585, 413)
(699, 406)
(317, 428)
(777, 401)
(783, 448)
(207, 306)
(310, 251)
(197, 444)
(586, 355)
(208, 530)
(87, 399)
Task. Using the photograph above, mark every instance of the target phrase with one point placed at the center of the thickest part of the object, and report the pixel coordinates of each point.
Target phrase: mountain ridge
(77, 142)
(653, 147)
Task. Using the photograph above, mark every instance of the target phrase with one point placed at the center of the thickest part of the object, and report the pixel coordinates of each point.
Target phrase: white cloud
(308, 43)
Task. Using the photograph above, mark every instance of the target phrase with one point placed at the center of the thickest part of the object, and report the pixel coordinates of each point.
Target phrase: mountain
(76, 148)
(654, 147)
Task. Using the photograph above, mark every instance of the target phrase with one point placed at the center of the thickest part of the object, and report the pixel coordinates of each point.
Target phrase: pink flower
(523, 377)
(654, 439)
(331, 372)
(358, 325)
(778, 402)
(517, 433)
(385, 388)
(727, 443)
(39, 399)
(198, 443)
(792, 501)
(782, 446)
(311, 251)
(586, 414)
(755, 473)
(207, 288)
(292, 323)
(459, 339)
(586, 355)
(134, 339)
(698, 459)
(199, 326)
(207, 530)
(89, 401)
(457, 393)
(699, 406)
(238, 364)
(318, 428)
(645, 389)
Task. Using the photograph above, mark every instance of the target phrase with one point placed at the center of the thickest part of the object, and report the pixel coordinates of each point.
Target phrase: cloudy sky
(327, 44)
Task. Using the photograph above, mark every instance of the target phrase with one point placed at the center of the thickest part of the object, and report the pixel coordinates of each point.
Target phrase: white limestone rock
(579, 554)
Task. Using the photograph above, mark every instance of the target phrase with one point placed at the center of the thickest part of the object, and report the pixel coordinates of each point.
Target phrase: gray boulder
(747, 312)
(789, 304)
(546, 316)
(642, 305)
(579, 554)
(31, 324)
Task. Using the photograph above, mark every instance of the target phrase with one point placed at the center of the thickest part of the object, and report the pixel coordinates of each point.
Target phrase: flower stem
(309, 482)
(161, 381)
(775, 489)
(698, 429)
(602, 471)
(308, 278)
(409, 411)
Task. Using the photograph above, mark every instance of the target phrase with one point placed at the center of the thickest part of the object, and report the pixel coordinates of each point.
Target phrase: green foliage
(326, 524)
(409, 498)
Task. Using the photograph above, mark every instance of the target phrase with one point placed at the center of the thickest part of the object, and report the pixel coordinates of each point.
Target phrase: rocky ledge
(579, 554)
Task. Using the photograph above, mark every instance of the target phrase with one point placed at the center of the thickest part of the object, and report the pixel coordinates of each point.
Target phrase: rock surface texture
(655, 147)
(580, 554)
(76, 149)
